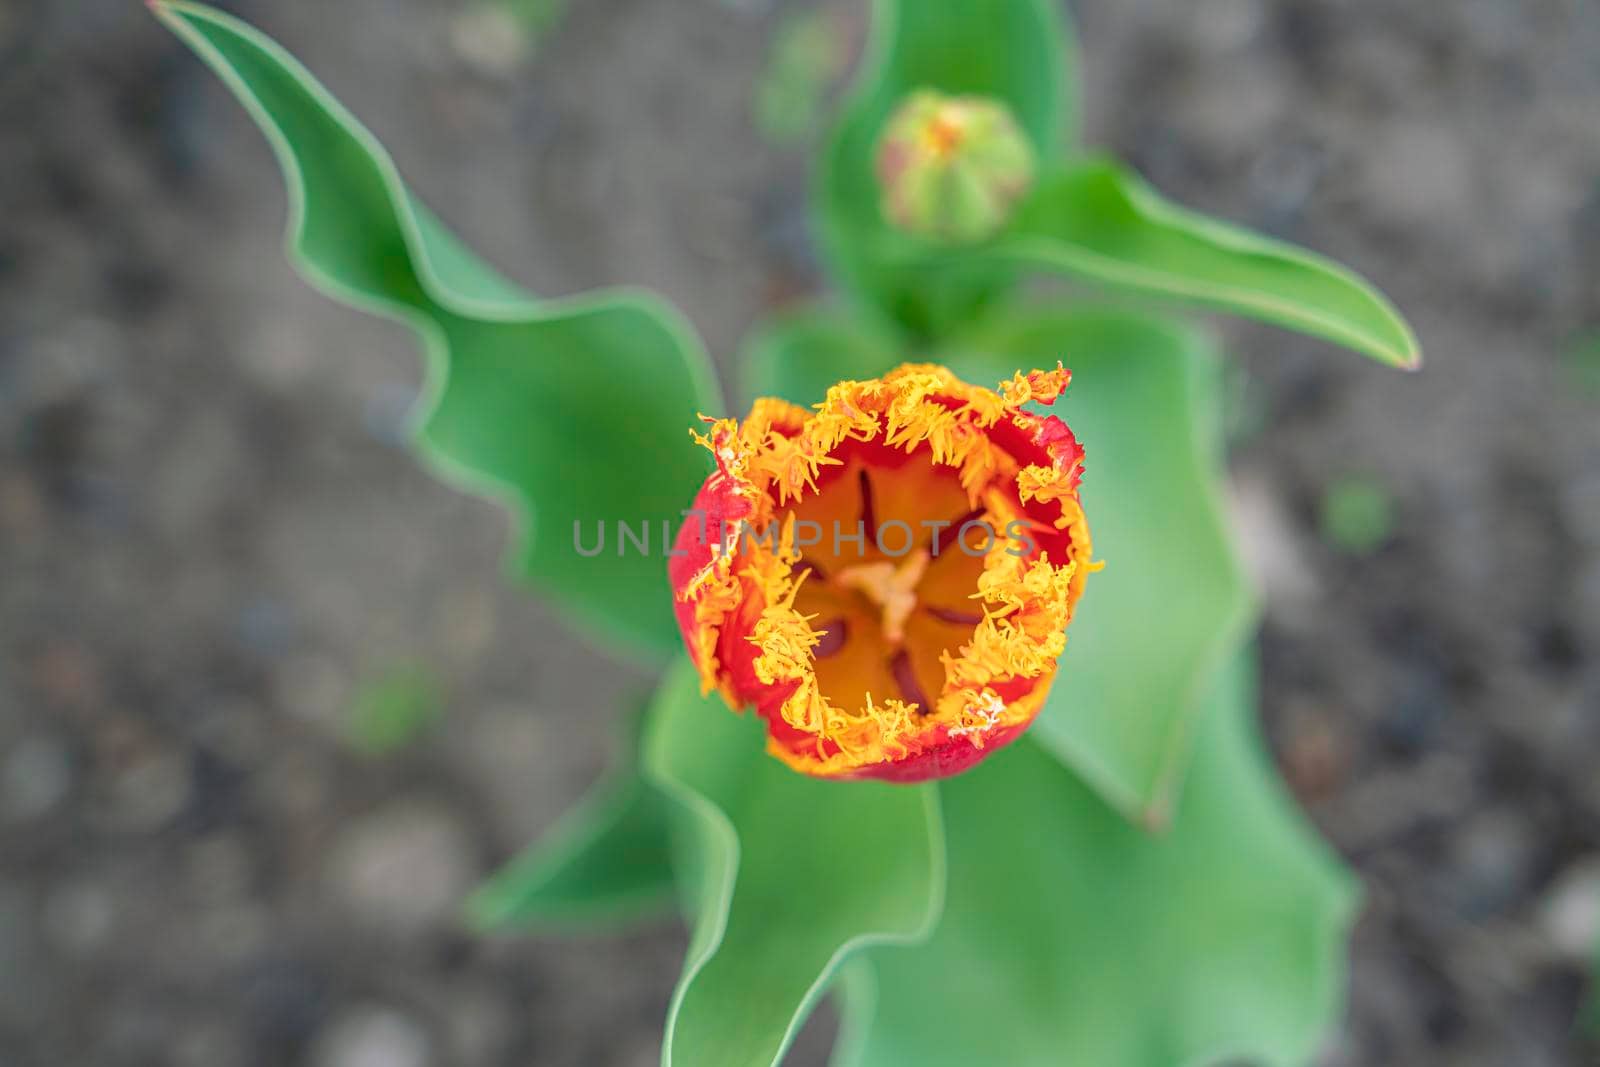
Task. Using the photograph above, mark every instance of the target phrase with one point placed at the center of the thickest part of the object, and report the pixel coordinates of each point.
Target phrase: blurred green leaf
(798, 355)
(786, 877)
(808, 54)
(1096, 220)
(855, 992)
(538, 17)
(1172, 602)
(1588, 1022)
(392, 708)
(1357, 515)
(1070, 937)
(608, 860)
(1590, 1019)
(1015, 51)
(573, 410)
(1582, 363)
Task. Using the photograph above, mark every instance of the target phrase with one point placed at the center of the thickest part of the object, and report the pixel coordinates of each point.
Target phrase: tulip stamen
(831, 638)
(947, 534)
(953, 617)
(905, 676)
(869, 518)
(811, 566)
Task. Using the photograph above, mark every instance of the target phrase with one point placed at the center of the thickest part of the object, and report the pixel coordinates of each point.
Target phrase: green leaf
(856, 996)
(538, 18)
(1098, 221)
(786, 877)
(1357, 515)
(1581, 361)
(1071, 937)
(608, 860)
(1589, 1017)
(808, 53)
(1172, 602)
(798, 355)
(1014, 51)
(573, 411)
(393, 707)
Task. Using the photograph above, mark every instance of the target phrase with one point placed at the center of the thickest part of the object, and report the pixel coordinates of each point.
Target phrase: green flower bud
(951, 168)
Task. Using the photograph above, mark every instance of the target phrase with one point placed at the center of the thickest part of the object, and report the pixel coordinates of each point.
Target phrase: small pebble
(371, 1036)
(78, 917)
(1272, 553)
(406, 866)
(148, 793)
(1493, 863)
(220, 868)
(35, 777)
(1570, 914)
(488, 39)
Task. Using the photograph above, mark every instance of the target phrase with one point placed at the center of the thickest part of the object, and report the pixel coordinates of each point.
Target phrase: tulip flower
(887, 579)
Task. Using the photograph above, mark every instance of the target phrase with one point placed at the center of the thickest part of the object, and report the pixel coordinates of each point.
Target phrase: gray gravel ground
(210, 537)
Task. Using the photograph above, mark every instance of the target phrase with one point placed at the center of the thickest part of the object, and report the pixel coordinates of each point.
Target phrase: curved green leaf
(1099, 221)
(1591, 1008)
(1172, 602)
(798, 355)
(856, 997)
(574, 411)
(1016, 51)
(786, 877)
(607, 860)
(1071, 937)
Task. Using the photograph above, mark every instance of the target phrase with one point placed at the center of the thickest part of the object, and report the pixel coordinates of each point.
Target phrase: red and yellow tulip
(887, 579)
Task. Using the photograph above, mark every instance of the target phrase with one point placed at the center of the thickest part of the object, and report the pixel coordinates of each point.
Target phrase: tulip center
(889, 585)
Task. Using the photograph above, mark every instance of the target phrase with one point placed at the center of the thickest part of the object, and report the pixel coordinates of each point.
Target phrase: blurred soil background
(267, 709)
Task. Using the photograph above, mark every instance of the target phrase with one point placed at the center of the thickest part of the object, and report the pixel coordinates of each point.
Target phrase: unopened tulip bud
(952, 168)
